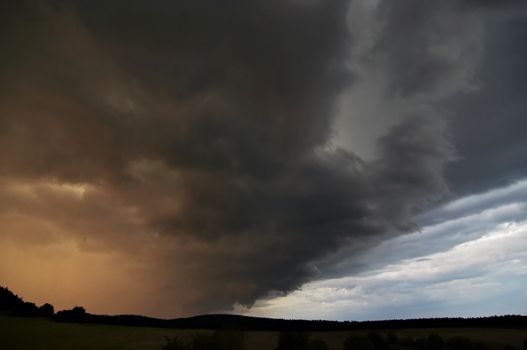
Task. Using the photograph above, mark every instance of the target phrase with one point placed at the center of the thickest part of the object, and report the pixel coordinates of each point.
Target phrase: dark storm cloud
(207, 123)
(462, 63)
(268, 67)
(202, 119)
(466, 59)
(489, 126)
(427, 49)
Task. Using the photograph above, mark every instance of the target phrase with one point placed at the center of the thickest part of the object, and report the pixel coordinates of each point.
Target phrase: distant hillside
(237, 322)
(12, 304)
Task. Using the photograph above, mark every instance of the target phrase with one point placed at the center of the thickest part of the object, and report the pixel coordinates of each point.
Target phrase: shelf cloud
(194, 144)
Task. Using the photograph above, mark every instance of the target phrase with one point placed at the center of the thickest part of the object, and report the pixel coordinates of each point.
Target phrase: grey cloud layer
(462, 59)
(207, 121)
(488, 127)
(466, 265)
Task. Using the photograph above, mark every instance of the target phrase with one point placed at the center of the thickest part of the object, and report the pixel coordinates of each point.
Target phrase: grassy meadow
(43, 334)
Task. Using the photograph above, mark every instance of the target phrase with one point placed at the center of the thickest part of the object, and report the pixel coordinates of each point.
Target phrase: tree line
(12, 304)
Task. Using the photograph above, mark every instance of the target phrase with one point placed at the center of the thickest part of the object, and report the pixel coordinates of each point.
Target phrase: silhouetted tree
(78, 310)
(9, 301)
(525, 344)
(77, 314)
(27, 310)
(46, 310)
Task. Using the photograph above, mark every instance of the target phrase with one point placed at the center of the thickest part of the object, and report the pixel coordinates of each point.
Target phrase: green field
(42, 334)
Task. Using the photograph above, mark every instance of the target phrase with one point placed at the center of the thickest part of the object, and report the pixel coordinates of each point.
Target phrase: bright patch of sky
(469, 259)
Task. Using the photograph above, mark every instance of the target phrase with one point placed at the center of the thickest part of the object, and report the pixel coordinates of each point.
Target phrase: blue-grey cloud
(450, 269)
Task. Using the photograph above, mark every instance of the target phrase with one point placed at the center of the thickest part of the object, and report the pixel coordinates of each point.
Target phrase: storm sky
(340, 159)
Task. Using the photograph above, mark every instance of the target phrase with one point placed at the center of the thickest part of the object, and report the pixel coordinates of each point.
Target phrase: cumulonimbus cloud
(205, 125)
